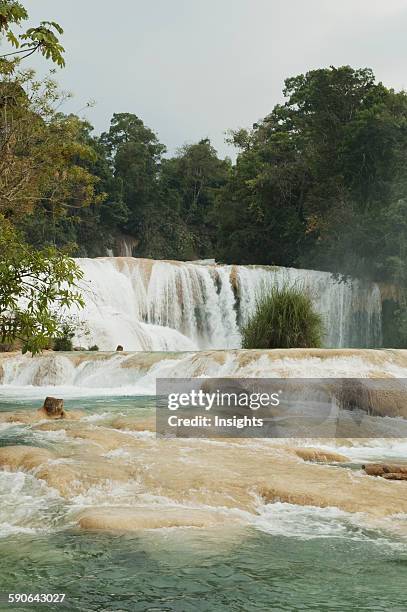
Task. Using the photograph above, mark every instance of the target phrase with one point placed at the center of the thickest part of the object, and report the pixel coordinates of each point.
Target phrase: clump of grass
(284, 318)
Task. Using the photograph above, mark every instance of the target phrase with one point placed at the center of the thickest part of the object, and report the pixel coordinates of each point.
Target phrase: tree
(41, 150)
(42, 38)
(317, 181)
(89, 225)
(35, 288)
(260, 212)
(192, 181)
(99, 224)
(37, 167)
(135, 155)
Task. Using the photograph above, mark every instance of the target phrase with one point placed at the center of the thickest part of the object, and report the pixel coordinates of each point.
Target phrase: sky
(193, 69)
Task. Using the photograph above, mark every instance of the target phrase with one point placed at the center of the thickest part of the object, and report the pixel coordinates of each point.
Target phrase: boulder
(54, 407)
(388, 471)
(119, 347)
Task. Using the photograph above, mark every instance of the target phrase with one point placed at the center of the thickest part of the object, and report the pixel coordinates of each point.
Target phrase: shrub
(284, 318)
(64, 341)
(94, 347)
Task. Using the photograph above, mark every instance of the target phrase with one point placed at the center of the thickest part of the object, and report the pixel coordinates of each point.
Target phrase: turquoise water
(304, 560)
(187, 571)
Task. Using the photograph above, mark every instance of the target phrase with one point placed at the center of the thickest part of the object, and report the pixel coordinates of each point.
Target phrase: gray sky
(195, 68)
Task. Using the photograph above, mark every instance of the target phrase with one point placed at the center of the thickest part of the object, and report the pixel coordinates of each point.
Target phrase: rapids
(126, 373)
(173, 306)
(96, 506)
(106, 470)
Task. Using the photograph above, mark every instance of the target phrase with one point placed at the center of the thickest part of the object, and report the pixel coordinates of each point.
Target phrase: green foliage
(284, 318)
(167, 204)
(35, 288)
(11, 13)
(321, 182)
(44, 157)
(94, 347)
(135, 154)
(92, 210)
(64, 341)
(192, 181)
(43, 38)
(318, 182)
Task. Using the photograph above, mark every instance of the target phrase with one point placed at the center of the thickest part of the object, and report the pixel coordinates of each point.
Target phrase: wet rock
(54, 408)
(24, 457)
(135, 519)
(373, 396)
(272, 495)
(103, 437)
(134, 423)
(318, 455)
(388, 471)
(32, 417)
(72, 478)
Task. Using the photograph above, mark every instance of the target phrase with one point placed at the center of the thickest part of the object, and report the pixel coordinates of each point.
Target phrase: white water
(173, 306)
(92, 374)
(30, 506)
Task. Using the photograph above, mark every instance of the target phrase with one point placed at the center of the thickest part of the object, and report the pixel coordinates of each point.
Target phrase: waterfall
(173, 306)
(99, 374)
(351, 310)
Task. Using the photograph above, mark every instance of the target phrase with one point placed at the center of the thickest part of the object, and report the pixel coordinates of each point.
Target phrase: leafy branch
(43, 38)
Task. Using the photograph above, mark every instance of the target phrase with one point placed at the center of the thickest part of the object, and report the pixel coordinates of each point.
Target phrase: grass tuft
(284, 318)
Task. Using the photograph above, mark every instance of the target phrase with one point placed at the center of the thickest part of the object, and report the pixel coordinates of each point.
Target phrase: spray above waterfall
(174, 306)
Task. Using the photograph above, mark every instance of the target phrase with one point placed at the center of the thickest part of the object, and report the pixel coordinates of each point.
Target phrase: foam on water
(27, 505)
(310, 522)
(127, 374)
(367, 449)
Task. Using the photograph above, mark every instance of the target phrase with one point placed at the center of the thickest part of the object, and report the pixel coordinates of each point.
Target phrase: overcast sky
(195, 68)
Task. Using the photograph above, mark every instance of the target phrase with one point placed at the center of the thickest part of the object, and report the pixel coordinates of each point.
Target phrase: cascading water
(351, 310)
(78, 374)
(173, 306)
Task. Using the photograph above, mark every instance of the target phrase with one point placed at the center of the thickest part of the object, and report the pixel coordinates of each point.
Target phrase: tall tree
(43, 154)
(34, 284)
(316, 180)
(135, 155)
(192, 180)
